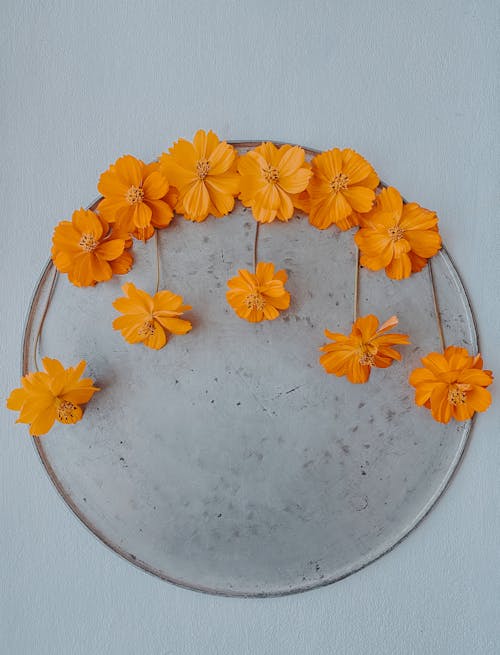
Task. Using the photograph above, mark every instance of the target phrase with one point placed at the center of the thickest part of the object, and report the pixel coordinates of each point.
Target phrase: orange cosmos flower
(366, 346)
(135, 196)
(204, 171)
(343, 183)
(51, 395)
(258, 296)
(452, 384)
(147, 318)
(87, 251)
(398, 237)
(271, 178)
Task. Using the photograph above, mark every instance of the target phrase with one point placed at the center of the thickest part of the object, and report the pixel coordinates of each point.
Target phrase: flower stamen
(271, 174)
(457, 394)
(396, 232)
(88, 242)
(366, 359)
(339, 182)
(66, 411)
(134, 195)
(255, 301)
(202, 168)
(147, 329)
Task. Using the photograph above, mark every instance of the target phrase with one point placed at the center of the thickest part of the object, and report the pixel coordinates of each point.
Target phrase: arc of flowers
(202, 178)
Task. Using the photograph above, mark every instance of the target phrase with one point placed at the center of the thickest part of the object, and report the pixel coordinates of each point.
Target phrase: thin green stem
(157, 237)
(44, 315)
(257, 227)
(437, 312)
(356, 287)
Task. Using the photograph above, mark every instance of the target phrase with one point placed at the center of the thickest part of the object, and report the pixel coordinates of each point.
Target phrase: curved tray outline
(372, 556)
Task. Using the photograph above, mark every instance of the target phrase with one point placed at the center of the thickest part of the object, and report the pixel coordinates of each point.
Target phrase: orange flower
(258, 296)
(205, 174)
(271, 179)
(343, 182)
(452, 384)
(51, 395)
(366, 346)
(398, 237)
(147, 318)
(135, 196)
(85, 251)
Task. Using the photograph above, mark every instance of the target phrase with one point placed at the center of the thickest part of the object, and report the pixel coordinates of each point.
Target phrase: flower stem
(257, 227)
(157, 238)
(356, 288)
(437, 312)
(44, 315)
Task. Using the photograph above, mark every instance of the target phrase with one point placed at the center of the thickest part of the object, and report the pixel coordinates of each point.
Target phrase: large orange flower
(258, 296)
(135, 196)
(88, 251)
(368, 345)
(147, 319)
(396, 236)
(271, 178)
(452, 384)
(343, 183)
(205, 174)
(51, 395)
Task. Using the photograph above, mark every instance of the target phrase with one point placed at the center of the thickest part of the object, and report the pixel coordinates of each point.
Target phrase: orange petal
(158, 339)
(43, 422)
(399, 268)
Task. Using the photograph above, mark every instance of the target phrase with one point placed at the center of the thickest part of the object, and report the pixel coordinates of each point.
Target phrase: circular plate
(229, 462)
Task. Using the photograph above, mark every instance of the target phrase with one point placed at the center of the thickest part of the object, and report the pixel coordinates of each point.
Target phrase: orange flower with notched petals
(147, 319)
(204, 172)
(271, 178)
(135, 196)
(452, 384)
(396, 236)
(258, 296)
(343, 184)
(88, 251)
(367, 346)
(55, 394)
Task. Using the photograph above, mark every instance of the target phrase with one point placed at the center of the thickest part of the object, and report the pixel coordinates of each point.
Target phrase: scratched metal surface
(229, 462)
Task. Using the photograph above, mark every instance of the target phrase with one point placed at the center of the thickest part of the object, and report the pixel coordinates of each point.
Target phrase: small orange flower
(135, 196)
(343, 183)
(147, 318)
(366, 346)
(205, 174)
(51, 395)
(258, 296)
(271, 178)
(452, 384)
(87, 251)
(398, 237)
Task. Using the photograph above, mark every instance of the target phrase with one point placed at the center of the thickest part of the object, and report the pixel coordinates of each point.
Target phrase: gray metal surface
(229, 462)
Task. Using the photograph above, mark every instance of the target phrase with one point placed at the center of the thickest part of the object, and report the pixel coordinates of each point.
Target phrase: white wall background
(411, 85)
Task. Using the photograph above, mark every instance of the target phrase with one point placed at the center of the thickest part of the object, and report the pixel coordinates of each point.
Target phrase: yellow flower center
(66, 411)
(367, 354)
(255, 301)
(339, 182)
(88, 242)
(396, 232)
(271, 174)
(134, 195)
(457, 394)
(202, 168)
(367, 359)
(147, 329)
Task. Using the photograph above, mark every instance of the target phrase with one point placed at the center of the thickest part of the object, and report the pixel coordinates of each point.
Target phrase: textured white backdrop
(409, 85)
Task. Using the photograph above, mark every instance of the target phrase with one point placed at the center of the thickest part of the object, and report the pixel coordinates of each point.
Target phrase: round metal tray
(229, 462)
